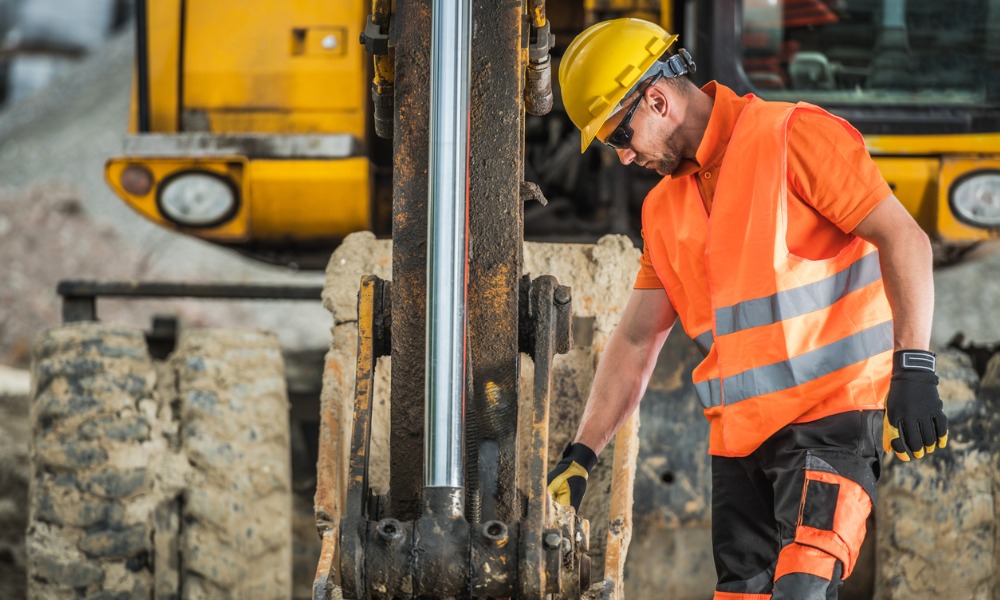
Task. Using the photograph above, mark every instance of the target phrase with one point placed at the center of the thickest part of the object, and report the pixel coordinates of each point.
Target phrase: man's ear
(658, 100)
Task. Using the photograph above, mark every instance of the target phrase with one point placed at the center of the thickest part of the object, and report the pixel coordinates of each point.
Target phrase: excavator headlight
(197, 199)
(975, 199)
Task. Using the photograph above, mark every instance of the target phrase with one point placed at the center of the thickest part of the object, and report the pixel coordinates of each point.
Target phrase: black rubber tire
(158, 480)
(90, 525)
(236, 537)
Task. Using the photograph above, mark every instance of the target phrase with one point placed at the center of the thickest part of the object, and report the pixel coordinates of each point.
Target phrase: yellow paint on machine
(954, 168)
(309, 199)
(163, 27)
(258, 66)
(298, 200)
(922, 169)
(914, 180)
(251, 67)
(915, 145)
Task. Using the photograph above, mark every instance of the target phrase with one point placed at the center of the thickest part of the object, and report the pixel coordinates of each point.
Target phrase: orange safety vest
(785, 338)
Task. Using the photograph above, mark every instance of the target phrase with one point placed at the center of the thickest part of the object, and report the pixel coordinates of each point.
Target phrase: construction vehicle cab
(920, 80)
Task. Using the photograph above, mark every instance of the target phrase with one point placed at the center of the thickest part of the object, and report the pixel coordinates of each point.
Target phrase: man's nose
(626, 156)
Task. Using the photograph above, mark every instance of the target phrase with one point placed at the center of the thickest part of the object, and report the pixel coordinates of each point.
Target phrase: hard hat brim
(588, 133)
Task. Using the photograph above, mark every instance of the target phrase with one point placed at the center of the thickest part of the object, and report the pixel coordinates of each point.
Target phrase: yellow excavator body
(267, 103)
(261, 101)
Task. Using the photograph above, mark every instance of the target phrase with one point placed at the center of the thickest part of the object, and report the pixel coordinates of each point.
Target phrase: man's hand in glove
(568, 480)
(915, 422)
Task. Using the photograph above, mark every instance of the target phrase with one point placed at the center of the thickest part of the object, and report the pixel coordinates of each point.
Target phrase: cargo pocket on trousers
(832, 513)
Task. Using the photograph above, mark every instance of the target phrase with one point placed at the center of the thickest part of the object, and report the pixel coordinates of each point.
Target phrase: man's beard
(668, 161)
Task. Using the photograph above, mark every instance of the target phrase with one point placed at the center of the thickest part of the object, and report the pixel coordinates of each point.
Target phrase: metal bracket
(441, 554)
(541, 42)
(546, 566)
(529, 312)
(679, 64)
(375, 37)
(80, 296)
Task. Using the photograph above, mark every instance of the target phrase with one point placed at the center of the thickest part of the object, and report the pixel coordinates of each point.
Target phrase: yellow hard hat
(602, 64)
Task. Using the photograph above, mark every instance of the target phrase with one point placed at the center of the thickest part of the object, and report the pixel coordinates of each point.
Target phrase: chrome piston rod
(447, 243)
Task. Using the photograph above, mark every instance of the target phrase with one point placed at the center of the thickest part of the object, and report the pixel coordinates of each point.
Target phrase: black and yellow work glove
(568, 480)
(915, 422)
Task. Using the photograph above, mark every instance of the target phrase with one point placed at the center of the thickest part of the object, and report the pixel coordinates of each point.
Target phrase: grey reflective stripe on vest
(709, 393)
(801, 369)
(811, 365)
(798, 301)
(704, 342)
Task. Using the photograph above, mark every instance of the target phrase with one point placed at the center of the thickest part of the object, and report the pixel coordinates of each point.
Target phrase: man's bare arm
(907, 270)
(626, 366)
(915, 423)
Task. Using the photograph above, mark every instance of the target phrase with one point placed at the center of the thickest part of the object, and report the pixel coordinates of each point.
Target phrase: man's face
(653, 144)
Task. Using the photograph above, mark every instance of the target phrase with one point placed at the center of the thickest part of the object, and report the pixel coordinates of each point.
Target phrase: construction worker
(802, 280)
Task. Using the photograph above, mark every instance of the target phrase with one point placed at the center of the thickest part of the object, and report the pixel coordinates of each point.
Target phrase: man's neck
(699, 110)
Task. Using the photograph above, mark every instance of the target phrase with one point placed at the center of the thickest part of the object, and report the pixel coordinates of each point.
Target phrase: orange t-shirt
(833, 184)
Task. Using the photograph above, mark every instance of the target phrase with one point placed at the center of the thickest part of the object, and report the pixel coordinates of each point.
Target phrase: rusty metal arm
(372, 343)
(620, 514)
(554, 540)
(440, 554)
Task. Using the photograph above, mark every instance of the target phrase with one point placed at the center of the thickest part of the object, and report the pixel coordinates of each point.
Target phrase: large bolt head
(389, 531)
(552, 540)
(495, 532)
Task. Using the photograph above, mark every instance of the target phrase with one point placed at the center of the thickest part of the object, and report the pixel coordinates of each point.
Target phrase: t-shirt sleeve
(647, 278)
(831, 169)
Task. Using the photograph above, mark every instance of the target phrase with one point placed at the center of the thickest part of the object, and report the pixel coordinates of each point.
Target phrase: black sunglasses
(621, 137)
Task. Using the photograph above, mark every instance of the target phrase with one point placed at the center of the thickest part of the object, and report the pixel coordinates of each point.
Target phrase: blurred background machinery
(41, 39)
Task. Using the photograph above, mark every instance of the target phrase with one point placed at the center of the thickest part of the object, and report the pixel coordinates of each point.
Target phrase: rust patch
(496, 217)
(409, 256)
(620, 514)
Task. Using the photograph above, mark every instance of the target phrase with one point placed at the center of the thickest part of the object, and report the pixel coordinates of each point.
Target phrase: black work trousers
(788, 520)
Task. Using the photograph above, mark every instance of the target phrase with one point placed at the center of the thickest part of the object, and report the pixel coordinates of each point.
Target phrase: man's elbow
(919, 243)
(903, 238)
(906, 246)
(644, 346)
